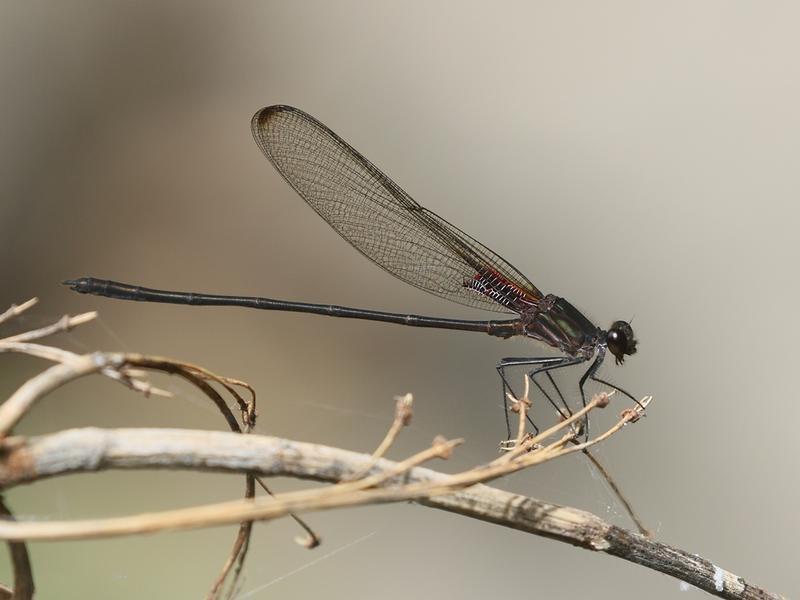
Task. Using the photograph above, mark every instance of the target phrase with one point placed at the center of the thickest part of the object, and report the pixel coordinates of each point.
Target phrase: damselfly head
(620, 340)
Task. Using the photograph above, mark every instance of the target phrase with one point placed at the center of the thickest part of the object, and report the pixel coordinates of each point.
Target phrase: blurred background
(639, 158)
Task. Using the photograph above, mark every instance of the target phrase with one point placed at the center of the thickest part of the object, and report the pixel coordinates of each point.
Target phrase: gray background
(639, 158)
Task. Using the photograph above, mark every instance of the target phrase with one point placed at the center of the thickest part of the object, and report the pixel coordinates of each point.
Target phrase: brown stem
(92, 449)
(21, 562)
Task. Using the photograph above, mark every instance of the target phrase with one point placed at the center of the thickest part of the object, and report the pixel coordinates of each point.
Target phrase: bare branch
(65, 323)
(93, 449)
(21, 562)
(619, 494)
(359, 479)
(15, 310)
(402, 417)
(238, 552)
(13, 409)
(117, 367)
(122, 368)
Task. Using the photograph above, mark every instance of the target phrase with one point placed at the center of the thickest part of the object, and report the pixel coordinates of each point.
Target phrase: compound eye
(617, 343)
(620, 341)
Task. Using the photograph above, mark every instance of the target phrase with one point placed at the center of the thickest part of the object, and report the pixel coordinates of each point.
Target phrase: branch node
(444, 447)
(604, 398)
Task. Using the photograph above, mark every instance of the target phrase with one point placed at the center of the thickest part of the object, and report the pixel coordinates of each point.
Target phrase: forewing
(383, 222)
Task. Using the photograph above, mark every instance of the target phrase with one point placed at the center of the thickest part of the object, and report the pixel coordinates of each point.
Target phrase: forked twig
(65, 323)
(129, 369)
(157, 448)
(346, 493)
(524, 443)
(377, 481)
(402, 417)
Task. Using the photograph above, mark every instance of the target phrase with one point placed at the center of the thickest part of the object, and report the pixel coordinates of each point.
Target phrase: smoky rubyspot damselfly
(414, 244)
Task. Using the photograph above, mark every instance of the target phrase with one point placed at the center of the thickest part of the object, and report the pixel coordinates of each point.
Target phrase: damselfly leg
(544, 364)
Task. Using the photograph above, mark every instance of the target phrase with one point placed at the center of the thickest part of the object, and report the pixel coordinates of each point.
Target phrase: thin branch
(128, 377)
(13, 409)
(345, 494)
(24, 460)
(600, 400)
(21, 562)
(65, 323)
(238, 552)
(15, 310)
(402, 417)
(525, 442)
(50, 353)
(93, 449)
(522, 442)
(118, 367)
(200, 378)
(121, 367)
(312, 539)
(618, 493)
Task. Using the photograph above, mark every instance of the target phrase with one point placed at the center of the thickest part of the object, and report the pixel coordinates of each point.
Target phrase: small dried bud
(631, 415)
(602, 399)
(403, 408)
(442, 447)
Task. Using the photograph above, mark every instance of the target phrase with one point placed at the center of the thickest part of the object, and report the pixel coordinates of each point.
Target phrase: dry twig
(358, 479)
(402, 417)
(345, 493)
(130, 370)
(90, 449)
(15, 310)
(21, 563)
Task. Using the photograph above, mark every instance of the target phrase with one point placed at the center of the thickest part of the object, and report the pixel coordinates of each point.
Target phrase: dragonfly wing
(381, 221)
